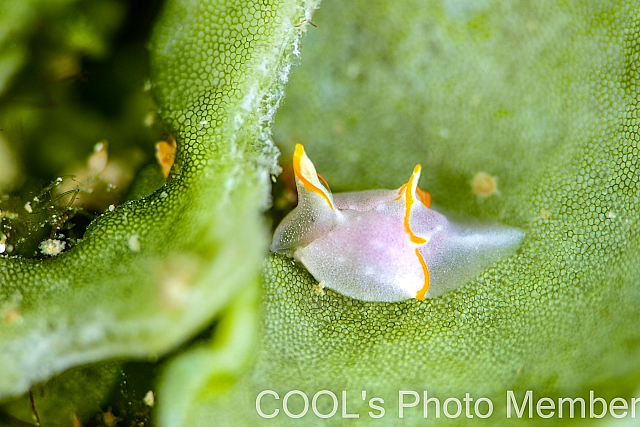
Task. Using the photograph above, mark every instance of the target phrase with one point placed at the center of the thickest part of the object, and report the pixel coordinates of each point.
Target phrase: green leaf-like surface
(149, 273)
(546, 99)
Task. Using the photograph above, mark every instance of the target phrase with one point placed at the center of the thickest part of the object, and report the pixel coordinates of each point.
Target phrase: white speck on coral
(296, 46)
(284, 77)
(28, 207)
(92, 333)
(97, 161)
(175, 276)
(164, 195)
(318, 289)
(248, 102)
(149, 119)
(134, 243)
(52, 247)
(149, 398)
(10, 309)
(111, 208)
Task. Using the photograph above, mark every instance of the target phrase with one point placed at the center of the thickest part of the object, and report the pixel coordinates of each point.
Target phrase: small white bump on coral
(134, 243)
(52, 247)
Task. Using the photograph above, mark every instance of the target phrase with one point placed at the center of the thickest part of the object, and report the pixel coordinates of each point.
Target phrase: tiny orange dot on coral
(484, 185)
(166, 154)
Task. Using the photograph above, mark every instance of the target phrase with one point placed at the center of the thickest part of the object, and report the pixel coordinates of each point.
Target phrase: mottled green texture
(48, 49)
(151, 272)
(238, 55)
(545, 98)
(74, 26)
(209, 371)
(76, 393)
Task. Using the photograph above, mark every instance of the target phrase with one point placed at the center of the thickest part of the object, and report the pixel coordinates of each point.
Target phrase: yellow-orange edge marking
(324, 182)
(409, 197)
(425, 196)
(420, 294)
(297, 156)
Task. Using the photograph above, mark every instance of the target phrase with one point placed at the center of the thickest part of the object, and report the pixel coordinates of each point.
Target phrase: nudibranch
(385, 245)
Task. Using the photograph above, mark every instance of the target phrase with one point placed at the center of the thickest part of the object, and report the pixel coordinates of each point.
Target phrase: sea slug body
(385, 245)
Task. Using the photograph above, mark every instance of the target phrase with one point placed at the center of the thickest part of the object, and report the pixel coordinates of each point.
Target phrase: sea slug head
(315, 214)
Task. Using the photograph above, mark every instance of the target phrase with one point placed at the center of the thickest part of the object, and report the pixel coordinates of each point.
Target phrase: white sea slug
(385, 245)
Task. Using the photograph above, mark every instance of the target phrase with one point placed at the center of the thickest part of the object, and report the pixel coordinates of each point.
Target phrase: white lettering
(315, 400)
(402, 405)
(285, 404)
(428, 399)
(467, 410)
(572, 403)
(445, 407)
(259, 398)
(592, 402)
(613, 407)
(511, 400)
(550, 406)
(344, 407)
(489, 404)
(376, 407)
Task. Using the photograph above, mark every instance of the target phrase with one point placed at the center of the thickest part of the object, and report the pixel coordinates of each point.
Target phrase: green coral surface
(544, 97)
(149, 273)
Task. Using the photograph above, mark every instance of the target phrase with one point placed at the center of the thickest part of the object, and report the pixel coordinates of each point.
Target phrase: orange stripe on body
(324, 182)
(407, 214)
(420, 294)
(425, 196)
(297, 156)
(400, 190)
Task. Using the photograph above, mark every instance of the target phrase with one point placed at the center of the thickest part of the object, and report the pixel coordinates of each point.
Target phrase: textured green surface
(76, 393)
(150, 273)
(79, 29)
(210, 370)
(546, 99)
(45, 47)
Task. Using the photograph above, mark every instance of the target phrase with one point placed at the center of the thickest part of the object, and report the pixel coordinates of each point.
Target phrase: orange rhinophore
(166, 154)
